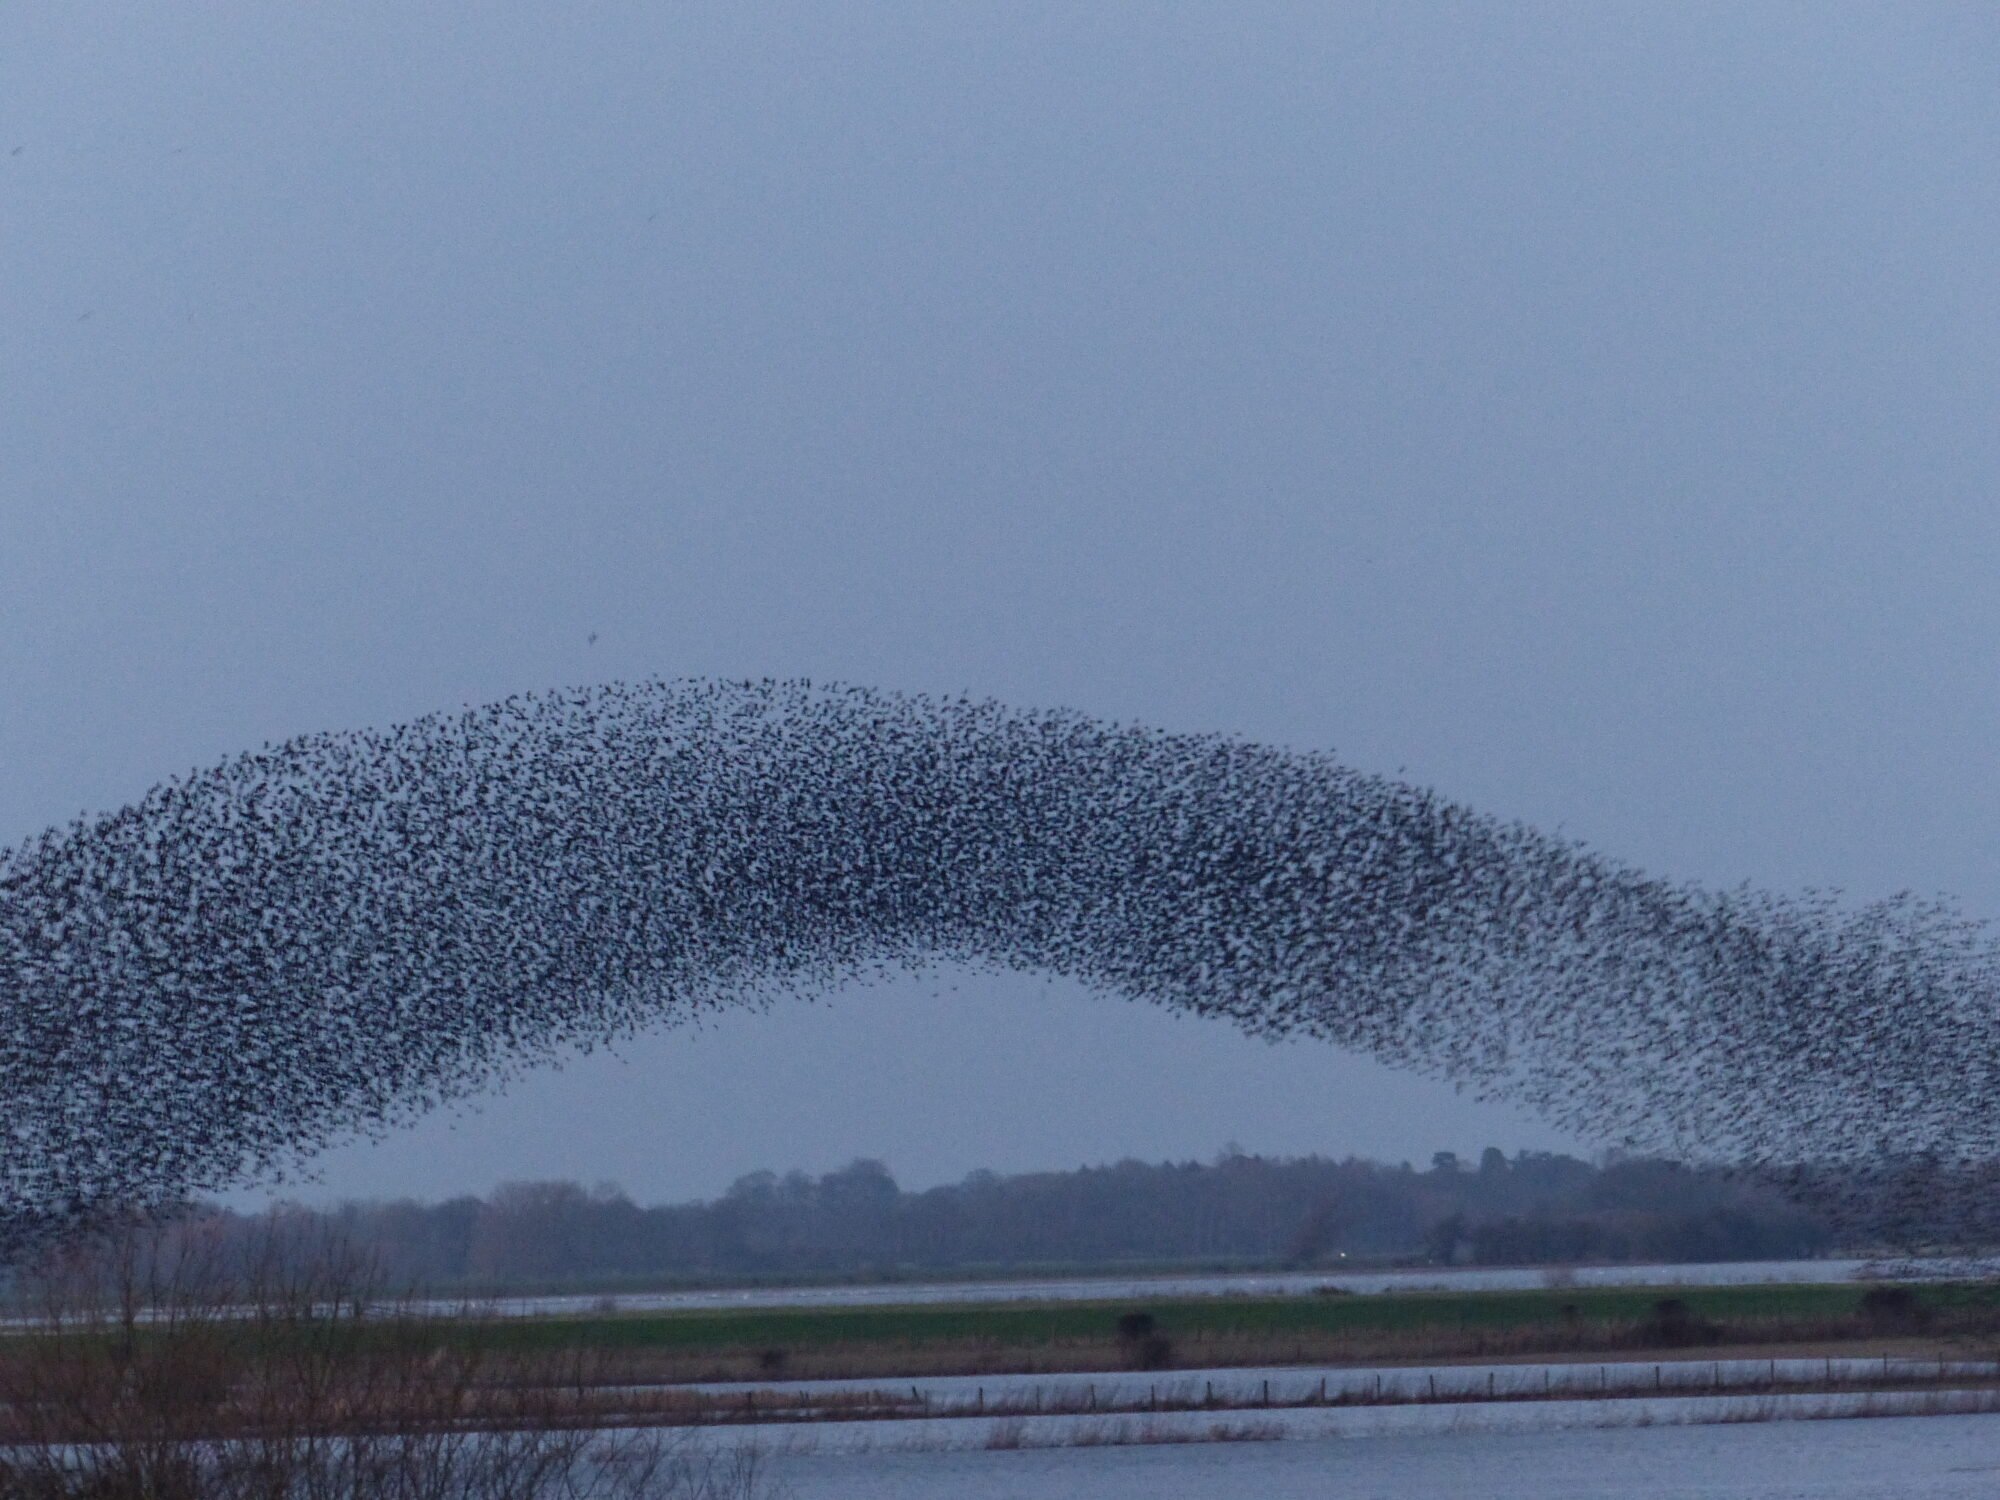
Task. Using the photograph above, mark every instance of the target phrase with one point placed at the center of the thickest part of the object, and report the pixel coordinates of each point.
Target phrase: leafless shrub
(150, 1365)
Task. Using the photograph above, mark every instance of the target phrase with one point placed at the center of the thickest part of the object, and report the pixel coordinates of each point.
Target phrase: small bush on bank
(1142, 1343)
(1893, 1309)
(1674, 1325)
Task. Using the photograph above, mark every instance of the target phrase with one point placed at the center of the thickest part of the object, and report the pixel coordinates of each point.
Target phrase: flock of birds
(333, 935)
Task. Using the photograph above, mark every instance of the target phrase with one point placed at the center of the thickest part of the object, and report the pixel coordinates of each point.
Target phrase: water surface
(1907, 1458)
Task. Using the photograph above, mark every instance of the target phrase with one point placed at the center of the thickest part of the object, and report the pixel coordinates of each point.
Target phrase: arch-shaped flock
(335, 934)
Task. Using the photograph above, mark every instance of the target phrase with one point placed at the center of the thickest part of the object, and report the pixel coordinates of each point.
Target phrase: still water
(1909, 1458)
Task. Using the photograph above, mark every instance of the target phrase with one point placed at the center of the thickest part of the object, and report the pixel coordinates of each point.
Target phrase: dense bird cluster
(335, 934)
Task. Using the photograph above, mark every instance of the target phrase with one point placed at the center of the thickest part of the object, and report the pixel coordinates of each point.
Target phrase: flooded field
(1913, 1458)
(1016, 1432)
(1290, 1385)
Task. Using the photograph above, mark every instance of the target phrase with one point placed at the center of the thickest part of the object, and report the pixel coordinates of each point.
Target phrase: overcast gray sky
(1592, 411)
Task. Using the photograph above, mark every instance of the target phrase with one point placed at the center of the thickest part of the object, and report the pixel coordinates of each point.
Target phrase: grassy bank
(1034, 1338)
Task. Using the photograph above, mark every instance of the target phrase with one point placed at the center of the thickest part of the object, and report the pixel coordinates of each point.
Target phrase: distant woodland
(1236, 1210)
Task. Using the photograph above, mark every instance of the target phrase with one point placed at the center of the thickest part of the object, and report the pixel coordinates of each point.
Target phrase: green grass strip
(1018, 1325)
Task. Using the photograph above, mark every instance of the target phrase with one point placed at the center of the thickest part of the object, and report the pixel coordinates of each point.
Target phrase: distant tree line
(1305, 1212)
